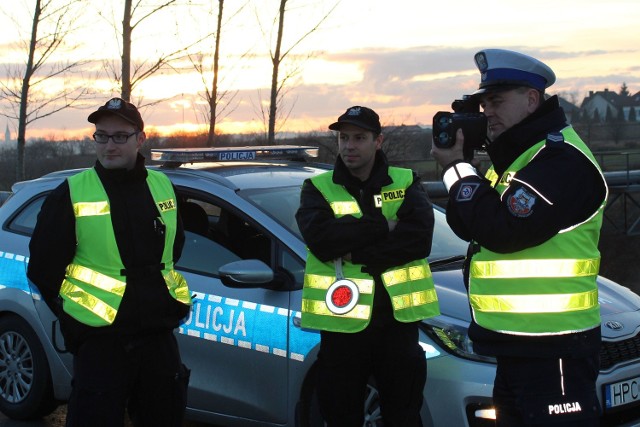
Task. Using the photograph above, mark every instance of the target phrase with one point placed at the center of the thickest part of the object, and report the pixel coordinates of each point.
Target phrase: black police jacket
(146, 305)
(572, 190)
(368, 238)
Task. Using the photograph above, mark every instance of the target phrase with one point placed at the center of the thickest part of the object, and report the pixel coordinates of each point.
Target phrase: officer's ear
(142, 137)
(379, 140)
(534, 97)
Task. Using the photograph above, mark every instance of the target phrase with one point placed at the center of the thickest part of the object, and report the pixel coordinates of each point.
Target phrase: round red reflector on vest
(342, 296)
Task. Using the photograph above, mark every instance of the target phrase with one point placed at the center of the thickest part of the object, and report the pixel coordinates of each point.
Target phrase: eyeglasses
(118, 138)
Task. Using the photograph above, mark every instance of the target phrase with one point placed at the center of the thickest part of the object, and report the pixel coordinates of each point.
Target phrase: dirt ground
(57, 419)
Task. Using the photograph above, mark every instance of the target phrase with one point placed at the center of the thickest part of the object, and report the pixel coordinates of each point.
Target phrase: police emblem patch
(114, 104)
(466, 192)
(521, 203)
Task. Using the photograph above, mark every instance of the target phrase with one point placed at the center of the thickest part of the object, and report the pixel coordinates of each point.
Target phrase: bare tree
(218, 102)
(212, 100)
(131, 73)
(42, 86)
(278, 55)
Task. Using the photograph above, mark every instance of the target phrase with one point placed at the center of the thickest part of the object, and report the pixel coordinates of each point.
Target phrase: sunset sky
(407, 59)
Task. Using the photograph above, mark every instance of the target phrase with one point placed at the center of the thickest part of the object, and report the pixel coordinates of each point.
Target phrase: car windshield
(281, 204)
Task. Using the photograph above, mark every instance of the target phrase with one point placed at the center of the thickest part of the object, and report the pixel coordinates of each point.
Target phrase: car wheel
(309, 409)
(26, 390)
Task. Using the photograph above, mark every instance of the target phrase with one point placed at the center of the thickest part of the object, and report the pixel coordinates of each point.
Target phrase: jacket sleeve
(52, 245)
(559, 188)
(328, 237)
(410, 240)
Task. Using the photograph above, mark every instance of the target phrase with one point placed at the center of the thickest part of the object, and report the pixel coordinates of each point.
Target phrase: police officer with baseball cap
(120, 108)
(102, 255)
(533, 221)
(366, 224)
(361, 117)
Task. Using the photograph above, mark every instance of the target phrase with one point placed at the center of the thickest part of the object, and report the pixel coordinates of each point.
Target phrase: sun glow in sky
(406, 59)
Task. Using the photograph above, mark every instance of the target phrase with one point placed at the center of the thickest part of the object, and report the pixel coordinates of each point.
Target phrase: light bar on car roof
(232, 154)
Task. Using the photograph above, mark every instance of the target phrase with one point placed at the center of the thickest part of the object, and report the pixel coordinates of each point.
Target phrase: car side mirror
(248, 273)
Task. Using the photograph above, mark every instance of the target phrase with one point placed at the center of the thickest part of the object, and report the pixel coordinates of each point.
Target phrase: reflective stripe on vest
(535, 268)
(550, 303)
(410, 286)
(93, 286)
(323, 282)
(407, 274)
(91, 209)
(345, 208)
(548, 289)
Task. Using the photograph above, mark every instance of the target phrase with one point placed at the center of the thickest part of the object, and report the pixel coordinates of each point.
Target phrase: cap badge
(481, 61)
(355, 111)
(114, 104)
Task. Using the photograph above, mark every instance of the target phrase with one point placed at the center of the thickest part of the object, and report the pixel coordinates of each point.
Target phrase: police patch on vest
(167, 205)
(466, 192)
(521, 203)
(388, 196)
(507, 177)
(564, 408)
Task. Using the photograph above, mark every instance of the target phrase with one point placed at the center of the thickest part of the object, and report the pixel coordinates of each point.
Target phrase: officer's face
(508, 108)
(357, 149)
(118, 156)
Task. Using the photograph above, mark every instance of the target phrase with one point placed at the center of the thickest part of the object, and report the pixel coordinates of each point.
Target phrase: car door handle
(296, 321)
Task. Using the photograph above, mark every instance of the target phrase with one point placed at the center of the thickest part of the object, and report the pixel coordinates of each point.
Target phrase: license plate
(622, 393)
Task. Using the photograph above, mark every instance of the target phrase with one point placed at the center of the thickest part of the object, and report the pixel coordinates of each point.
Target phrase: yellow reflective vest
(548, 289)
(93, 286)
(410, 286)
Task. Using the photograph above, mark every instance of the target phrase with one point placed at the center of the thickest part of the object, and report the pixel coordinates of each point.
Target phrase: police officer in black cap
(368, 227)
(102, 255)
(533, 222)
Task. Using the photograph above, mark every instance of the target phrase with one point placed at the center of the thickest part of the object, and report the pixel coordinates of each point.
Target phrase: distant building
(7, 139)
(607, 106)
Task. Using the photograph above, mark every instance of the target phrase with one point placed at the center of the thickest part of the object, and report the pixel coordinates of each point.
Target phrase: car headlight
(453, 337)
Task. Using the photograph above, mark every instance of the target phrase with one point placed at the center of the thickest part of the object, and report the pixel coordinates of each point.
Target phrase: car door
(235, 340)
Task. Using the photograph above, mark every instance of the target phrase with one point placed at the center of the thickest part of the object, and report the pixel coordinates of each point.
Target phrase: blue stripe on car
(258, 327)
(13, 271)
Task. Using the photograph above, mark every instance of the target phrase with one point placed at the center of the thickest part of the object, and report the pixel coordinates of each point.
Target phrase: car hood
(619, 308)
(618, 304)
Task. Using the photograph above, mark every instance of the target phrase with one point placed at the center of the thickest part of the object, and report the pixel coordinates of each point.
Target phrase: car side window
(24, 221)
(215, 235)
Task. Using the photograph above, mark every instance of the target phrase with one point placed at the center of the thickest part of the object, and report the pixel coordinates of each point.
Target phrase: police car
(251, 362)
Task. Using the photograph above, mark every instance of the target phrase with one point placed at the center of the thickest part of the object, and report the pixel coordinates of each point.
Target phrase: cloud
(407, 85)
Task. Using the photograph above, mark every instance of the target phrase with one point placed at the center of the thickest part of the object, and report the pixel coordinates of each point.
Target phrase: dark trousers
(391, 354)
(546, 392)
(142, 375)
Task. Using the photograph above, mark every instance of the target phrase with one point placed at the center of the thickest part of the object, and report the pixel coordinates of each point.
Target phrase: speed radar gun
(466, 115)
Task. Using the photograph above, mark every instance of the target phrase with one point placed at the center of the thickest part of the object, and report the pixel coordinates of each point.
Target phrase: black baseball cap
(362, 117)
(121, 108)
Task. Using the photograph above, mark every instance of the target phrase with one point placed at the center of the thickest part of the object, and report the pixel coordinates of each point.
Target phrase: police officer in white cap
(533, 222)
